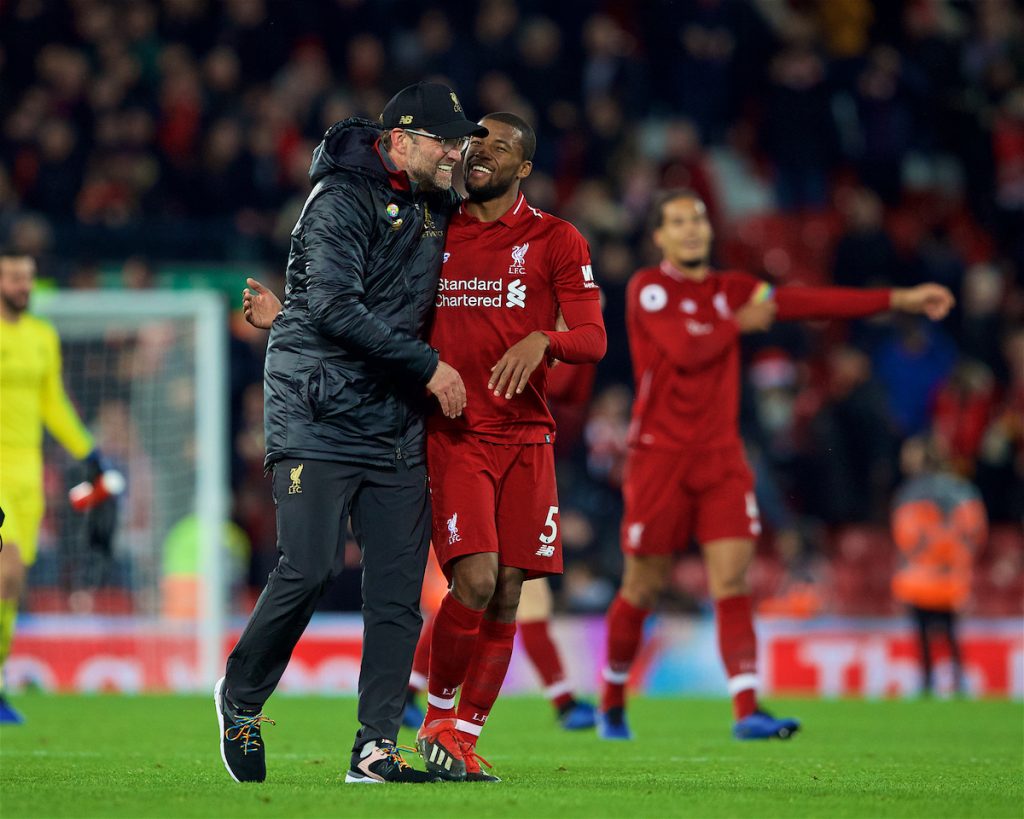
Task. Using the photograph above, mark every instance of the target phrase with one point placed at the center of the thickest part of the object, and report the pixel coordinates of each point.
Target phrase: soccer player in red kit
(508, 269)
(686, 475)
(569, 388)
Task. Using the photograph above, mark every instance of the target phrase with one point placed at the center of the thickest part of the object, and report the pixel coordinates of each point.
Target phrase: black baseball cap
(431, 107)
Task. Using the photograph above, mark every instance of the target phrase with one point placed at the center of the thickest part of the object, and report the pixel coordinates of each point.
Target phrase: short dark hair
(527, 136)
(657, 213)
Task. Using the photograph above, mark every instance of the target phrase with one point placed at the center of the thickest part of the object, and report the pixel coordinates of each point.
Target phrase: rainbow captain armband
(763, 292)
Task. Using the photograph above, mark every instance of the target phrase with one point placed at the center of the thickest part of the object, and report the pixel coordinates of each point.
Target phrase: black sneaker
(380, 761)
(241, 743)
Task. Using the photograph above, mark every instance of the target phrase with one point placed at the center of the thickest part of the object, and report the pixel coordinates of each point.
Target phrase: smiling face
(494, 163)
(684, 235)
(426, 161)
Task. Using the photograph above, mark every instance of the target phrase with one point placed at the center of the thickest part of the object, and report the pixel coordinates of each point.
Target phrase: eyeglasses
(446, 143)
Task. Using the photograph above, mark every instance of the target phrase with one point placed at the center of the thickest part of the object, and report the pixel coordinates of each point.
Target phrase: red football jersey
(684, 343)
(500, 281)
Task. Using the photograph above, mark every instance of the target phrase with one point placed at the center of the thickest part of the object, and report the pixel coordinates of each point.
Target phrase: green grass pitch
(146, 756)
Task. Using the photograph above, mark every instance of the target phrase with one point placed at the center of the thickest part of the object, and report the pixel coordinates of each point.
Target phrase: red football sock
(486, 673)
(625, 626)
(543, 653)
(421, 659)
(737, 644)
(455, 632)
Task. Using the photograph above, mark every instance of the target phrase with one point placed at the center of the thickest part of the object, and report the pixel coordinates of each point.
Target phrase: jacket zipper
(412, 321)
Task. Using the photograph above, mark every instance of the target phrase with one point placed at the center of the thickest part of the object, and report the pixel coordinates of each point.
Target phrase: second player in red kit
(508, 269)
(498, 280)
(686, 475)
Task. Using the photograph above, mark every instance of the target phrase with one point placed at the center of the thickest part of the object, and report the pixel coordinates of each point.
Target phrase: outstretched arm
(932, 300)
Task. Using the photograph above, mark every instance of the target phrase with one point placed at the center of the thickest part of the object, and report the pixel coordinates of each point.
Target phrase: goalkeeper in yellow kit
(32, 397)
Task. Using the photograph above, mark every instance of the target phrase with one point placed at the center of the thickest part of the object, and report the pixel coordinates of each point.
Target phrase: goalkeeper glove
(101, 483)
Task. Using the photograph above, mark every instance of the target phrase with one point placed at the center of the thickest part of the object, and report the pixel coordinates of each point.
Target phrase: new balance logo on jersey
(453, 529)
(516, 295)
(588, 276)
(518, 266)
(546, 551)
(445, 258)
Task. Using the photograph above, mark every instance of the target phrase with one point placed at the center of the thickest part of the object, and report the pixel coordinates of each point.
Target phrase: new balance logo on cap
(432, 107)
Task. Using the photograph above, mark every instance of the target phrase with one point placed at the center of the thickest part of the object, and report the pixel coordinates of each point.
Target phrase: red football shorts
(494, 498)
(673, 496)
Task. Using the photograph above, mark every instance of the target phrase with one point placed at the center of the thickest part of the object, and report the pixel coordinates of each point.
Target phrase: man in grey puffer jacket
(347, 382)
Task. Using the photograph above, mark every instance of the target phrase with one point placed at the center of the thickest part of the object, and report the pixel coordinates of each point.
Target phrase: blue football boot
(8, 716)
(761, 725)
(412, 714)
(611, 724)
(577, 716)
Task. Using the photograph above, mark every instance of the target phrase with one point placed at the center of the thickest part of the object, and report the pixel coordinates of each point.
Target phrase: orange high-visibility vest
(938, 522)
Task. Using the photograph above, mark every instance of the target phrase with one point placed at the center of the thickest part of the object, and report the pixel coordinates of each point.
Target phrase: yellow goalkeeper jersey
(32, 396)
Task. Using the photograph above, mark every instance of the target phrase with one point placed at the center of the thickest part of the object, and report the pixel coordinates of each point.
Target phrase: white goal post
(157, 360)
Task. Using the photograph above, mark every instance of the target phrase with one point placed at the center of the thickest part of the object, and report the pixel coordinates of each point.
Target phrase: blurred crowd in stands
(854, 142)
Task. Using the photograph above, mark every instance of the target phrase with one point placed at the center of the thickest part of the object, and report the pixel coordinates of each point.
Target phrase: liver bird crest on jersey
(518, 266)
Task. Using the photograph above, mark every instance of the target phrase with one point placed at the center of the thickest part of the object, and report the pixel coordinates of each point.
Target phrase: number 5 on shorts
(550, 523)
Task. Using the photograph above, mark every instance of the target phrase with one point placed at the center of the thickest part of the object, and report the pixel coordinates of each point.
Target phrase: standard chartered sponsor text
(470, 299)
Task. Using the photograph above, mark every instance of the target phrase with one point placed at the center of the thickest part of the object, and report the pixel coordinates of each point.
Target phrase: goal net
(147, 372)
